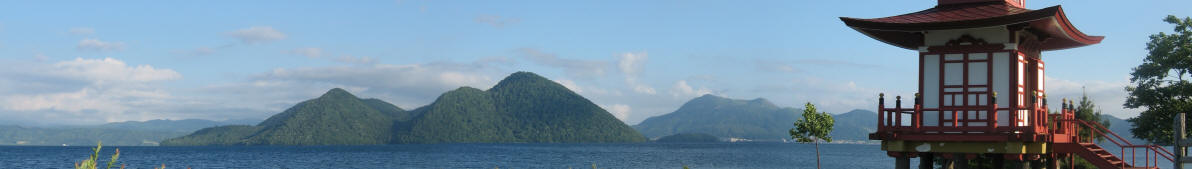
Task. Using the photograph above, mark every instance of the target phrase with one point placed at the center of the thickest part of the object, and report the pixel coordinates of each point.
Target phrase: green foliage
(1087, 111)
(1160, 83)
(336, 118)
(814, 126)
(92, 162)
(688, 138)
(722, 117)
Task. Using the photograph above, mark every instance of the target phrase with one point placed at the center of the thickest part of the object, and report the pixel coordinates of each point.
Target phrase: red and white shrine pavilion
(981, 88)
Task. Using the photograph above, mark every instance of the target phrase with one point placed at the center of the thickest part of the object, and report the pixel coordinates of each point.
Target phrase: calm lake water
(648, 155)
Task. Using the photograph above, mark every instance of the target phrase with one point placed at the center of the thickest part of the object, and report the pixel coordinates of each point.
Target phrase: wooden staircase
(1094, 154)
(1102, 158)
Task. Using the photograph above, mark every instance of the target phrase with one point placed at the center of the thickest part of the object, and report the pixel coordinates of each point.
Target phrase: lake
(646, 155)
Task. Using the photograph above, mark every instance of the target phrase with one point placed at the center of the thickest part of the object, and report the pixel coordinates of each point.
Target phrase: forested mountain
(756, 119)
(335, 118)
(523, 107)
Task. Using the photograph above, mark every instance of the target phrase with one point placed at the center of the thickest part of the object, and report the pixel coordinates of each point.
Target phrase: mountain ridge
(523, 107)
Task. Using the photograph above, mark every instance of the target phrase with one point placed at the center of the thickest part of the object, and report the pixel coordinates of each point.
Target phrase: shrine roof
(905, 30)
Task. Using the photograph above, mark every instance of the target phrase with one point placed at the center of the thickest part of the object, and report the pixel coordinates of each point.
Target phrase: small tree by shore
(813, 128)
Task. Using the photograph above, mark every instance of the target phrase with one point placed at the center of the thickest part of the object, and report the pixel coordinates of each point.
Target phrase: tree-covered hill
(335, 118)
(523, 107)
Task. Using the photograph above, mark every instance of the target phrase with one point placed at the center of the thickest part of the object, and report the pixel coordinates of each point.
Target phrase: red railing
(1150, 152)
(956, 119)
(1038, 121)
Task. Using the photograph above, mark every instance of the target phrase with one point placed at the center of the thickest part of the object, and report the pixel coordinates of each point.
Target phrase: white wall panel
(931, 81)
(931, 118)
(1003, 118)
(953, 73)
(978, 73)
(1001, 78)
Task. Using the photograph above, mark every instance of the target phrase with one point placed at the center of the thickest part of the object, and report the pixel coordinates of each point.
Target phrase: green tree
(1160, 83)
(812, 128)
(1087, 111)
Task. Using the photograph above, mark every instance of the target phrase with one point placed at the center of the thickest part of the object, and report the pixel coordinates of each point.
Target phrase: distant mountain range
(760, 120)
(132, 133)
(1122, 128)
(756, 119)
(723, 117)
(524, 107)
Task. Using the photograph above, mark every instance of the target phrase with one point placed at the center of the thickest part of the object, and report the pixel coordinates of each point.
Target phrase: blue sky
(87, 62)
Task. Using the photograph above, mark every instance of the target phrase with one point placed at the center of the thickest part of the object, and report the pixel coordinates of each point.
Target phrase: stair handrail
(1152, 147)
(1123, 144)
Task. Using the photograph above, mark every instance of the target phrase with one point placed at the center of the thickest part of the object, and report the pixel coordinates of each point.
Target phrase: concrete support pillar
(902, 162)
(926, 161)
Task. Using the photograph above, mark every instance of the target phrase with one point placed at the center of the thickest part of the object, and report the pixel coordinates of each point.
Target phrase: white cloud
(90, 44)
(407, 86)
(1108, 96)
(644, 89)
(631, 63)
(108, 70)
(82, 31)
(308, 52)
(621, 111)
(84, 90)
(496, 21)
(683, 90)
(257, 34)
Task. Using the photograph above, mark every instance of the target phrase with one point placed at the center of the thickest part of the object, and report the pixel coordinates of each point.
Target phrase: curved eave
(909, 35)
(1071, 37)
